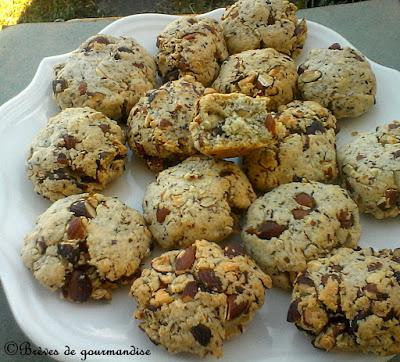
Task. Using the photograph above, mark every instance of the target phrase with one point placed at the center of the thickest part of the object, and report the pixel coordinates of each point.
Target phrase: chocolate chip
(82, 88)
(271, 19)
(396, 154)
(164, 123)
(360, 157)
(393, 197)
(82, 208)
(185, 259)
(75, 229)
(201, 334)
(190, 291)
(335, 46)
(138, 65)
(293, 314)
(371, 287)
(225, 173)
(270, 124)
(235, 309)
(100, 39)
(105, 128)
(218, 131)
(299, 214)
(78, 287)
(69, 141)
(396, 274)
(304, 279)
(305, 199)
(42, 246)
(161, 214)
(269, 229)
(346, 219)
(125, 50)
(336, 268)
(208, 281)
(234, 249)
(59, 174)
(374, 266)
(62, 158)
(314, 127)
(68, 252)
(59, 85)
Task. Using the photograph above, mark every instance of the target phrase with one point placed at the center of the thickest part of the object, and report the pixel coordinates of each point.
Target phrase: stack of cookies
(228, 89)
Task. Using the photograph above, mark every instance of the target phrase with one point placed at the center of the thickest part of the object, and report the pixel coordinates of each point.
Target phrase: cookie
(340, 79)
(106, 73)
(370, 168)
(191, 45)
(231, 125)
(296, 223)
(79, 150)
(249, 24)
(192, 300)
(261, 72)
(349, 301)
(86, 245)
(196, 199)
(158, 126)
(307, 152)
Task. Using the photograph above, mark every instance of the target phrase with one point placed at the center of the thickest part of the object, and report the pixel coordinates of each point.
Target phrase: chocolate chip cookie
(307, 152)
(191, 45)
(192, 300)
(106, 73)
(340, 79)
(231, 125)
(254, 24)
(79, 150)
(370, 166)
(196, 199)
(261, 72)
(158, 126)
(86, 245)
(349, 301)
(296, 223)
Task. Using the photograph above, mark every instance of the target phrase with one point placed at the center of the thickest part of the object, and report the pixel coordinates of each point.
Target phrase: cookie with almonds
(340, 79)
(307, 152)
(261, 72)
(232, 125)
(106, 73)
(370, 166)
(158, 126)
(79, 150)
(192, 300)
(254, 24)
(198, 198)
(296, 223)
(86, 245)
(191, 46)
(349, 301)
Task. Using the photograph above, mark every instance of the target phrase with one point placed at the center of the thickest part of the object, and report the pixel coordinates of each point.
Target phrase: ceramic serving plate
(53, 323)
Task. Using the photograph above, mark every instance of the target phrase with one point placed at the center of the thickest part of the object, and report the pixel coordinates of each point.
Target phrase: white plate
(54, 323)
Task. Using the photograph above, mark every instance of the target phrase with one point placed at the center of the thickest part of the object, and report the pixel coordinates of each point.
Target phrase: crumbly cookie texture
(261, 72)
(370, 166)
(106, 73)
(296, 223)
(340, 79)
(231, 125)
(350, 301)
(158, 126)
(192, 300)
(254, 24)
(191, 45)
(196, 199)
(79, 150)
(86, 245)
(307, 152)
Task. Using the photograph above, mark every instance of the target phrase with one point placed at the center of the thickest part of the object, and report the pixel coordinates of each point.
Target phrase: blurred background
(31, 11)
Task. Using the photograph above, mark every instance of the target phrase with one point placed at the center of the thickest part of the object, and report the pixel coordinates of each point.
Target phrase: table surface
(372, 26)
